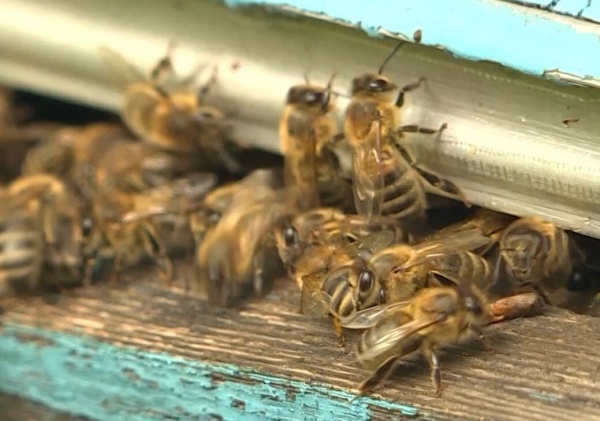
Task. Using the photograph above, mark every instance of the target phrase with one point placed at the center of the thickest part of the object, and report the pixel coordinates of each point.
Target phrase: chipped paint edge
(84, 376)
(545, 39)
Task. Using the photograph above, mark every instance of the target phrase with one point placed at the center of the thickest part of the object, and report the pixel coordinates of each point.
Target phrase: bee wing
(395, 337)
(364, 247)
(181, 195)
(451, 244)
(367, 178)
(122, 71)
(314, 302)
(366, 318)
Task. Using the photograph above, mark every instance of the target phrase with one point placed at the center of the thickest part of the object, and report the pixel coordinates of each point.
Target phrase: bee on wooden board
(536, 253)
(238, 257)
(398, 272)
(124, 226)
(218, 200)
(306, 131)
(385, 179)
(175, 119)
(437, 316)
(39, 227)
(329, 226)
(330, 277)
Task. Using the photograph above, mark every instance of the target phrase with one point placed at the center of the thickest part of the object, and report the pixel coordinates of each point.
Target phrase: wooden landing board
(141, 351)
(13, 408)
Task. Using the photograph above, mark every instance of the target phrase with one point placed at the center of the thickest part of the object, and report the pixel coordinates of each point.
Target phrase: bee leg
(400, 98)
(164, 65)
(155, 248)
(487, 344)
(382, 372)
(205, 89)
(89, 267)
(339, 330)
(117, 269)
(433, 183)
(436, 373)
(413, 128)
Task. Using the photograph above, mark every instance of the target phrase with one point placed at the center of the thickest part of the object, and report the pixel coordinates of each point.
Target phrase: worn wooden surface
(541, 368)
(13, 408)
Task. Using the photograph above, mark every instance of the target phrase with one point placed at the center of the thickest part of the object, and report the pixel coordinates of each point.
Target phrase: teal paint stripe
(84, 376)
(525, 39)
(570, 7)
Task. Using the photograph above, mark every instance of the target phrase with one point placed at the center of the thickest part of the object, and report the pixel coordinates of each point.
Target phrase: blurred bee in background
(385, 179)
(537, 254)
(128, 229)
(441, 315)
(218, 201)
(307, 130)
(172, 119)
(39, 230)
(238, 257)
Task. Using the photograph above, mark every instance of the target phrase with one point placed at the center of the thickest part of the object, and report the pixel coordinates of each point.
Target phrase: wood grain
(545, 367)
(13, 408)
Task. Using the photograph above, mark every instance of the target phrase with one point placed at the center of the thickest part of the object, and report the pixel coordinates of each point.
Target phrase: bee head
(372, 84)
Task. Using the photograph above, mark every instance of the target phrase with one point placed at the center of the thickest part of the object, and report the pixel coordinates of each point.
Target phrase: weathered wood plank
(546, 367)
(13, 408)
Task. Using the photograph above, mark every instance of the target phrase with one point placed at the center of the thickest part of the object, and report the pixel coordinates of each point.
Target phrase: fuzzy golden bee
(307, 130)
(434, 318)
(385, 179)
(173, 119)
(536, 253)
(238, 257)
(398, 272)
(39, 231)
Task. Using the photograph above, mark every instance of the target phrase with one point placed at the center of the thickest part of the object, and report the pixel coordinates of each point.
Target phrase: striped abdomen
(466, 267)
(403, 195)
(20, 252)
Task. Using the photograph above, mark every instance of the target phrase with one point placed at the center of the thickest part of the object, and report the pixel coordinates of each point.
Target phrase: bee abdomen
(342, 299)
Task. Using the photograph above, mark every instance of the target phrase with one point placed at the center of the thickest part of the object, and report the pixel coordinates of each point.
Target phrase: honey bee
(329, 226)
(53, 155)
(219, 200)
(237, 257)
(175, 121)
(435, 317)
(331, 277)
(128, 227)
(536, 253)
(306, 130)
(385, 179)
(40, 229)
(398, 272)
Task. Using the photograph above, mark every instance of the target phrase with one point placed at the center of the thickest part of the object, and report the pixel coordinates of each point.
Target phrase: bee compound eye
(86, 226)
(377, 84)
(290, 236)
(473, 305)
(365, 281)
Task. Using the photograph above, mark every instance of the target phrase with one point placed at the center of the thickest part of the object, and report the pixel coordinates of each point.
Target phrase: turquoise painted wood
(87, 377)
(526, 39)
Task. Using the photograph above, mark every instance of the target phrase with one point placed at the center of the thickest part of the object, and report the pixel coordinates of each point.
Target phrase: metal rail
(506, 143)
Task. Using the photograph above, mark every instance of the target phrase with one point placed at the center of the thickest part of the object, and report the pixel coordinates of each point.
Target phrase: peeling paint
(124, 383)
(525, 38)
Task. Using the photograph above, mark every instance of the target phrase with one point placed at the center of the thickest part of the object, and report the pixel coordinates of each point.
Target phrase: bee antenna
(305, 75)
(388, 58)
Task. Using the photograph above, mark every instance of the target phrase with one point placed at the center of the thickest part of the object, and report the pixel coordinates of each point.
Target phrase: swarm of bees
(361, 244)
